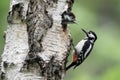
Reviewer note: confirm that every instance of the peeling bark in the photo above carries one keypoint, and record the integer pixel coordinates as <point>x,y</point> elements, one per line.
<point>36,46</point>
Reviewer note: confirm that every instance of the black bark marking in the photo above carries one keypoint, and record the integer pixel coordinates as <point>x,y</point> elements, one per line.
<point>70,4</point>
<point>53,70</point>
<point>55,1</point>
<point>16,16</point>
<point>2,76</point>
<point>38,22</point>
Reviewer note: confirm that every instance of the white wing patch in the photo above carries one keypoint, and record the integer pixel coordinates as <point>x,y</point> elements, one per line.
<point>87,51</point>
<point>91,35</point>
<point>79,46</point>
<point>67,17</point>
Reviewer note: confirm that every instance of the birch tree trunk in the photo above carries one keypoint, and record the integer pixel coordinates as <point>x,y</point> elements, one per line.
<point>36,46</point>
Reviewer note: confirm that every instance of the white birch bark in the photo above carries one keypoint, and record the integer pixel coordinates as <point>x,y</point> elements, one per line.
<point>36,46</point>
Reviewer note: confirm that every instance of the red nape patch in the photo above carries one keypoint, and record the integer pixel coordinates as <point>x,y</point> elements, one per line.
<point>74,57</point>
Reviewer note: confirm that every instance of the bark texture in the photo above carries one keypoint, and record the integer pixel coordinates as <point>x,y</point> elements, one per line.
<point>36,46</point>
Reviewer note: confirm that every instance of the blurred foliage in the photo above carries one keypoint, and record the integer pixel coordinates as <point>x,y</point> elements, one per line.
<point>4,7</point>
<point>101,16</point>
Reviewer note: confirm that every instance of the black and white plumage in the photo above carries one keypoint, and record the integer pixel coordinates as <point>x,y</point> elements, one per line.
<point>83,49</point>
<point>68,17</point>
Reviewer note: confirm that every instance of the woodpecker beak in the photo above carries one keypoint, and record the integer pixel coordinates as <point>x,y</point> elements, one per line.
<point>75,21</point>
<point>85,32</point>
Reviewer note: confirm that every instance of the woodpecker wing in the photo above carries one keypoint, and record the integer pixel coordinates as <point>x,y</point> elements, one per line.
<point>85,47</point>
<point>79,46</point>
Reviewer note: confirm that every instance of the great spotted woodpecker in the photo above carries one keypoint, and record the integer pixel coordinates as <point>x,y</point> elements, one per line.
<point>67,18</point>
<point>83,49</point>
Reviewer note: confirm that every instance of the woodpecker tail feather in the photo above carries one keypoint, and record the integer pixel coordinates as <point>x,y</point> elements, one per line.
<point>76,66</point>
<point>71,65</point>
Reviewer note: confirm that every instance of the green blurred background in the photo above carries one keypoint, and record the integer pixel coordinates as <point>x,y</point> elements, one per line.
<point>101,16</point>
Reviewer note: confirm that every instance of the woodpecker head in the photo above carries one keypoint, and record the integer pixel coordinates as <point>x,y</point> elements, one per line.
<point>68,17</point>
<point>90,35</point>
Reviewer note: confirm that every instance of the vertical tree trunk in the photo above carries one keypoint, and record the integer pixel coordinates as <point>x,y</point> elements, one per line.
<point>36,46</point>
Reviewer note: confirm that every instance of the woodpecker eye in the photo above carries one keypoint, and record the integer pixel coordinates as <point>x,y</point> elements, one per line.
<point>90,32</point>
<point>72,18</point>
<point>91,38</point>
